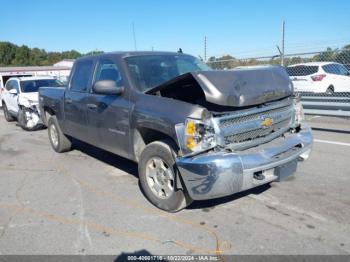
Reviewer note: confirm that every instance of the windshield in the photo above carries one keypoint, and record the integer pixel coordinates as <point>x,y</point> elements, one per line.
<point>152,70</point>
<point>28,86</point>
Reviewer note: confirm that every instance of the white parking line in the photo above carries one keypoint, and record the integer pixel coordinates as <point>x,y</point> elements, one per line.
<point>331,142</point>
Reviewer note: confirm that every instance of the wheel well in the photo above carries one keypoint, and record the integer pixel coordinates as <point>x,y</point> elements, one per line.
<point>47,113</point>
<point>143,136</point>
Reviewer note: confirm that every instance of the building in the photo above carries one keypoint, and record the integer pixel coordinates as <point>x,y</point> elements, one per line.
<point>65,62</point>
<point>60,70</point>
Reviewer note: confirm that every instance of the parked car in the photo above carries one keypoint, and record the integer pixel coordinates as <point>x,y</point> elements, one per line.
<point>20,100</point>
<point>195,133</point>
<point>320,77</point>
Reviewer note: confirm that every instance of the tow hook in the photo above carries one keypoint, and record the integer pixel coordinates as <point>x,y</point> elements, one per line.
<point>259,175</point>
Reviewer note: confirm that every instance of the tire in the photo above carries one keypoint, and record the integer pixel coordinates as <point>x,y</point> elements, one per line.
<point>330,90</point>
<point>7,114</point>
<point>22,121</point>
<point>157,174</point>
<point>59,141</point>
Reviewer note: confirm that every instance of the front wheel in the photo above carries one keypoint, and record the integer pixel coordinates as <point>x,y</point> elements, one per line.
<point>157,175</point>
<point>28,119</point>
<point>59,141</point>
<point>330,90</point>
<point>7,114</point>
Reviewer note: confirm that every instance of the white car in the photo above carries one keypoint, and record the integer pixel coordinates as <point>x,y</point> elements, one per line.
<point>20,100</point>
<point>320,77</point>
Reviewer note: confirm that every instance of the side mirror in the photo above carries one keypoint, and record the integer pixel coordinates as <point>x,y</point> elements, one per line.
<point>107,87</point>
<point>13,91</point>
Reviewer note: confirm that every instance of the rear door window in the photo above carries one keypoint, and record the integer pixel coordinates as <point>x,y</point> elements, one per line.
<point>81,76</point>
<point>331,69</point>
<point>302,70</point>
<point>335,69</point>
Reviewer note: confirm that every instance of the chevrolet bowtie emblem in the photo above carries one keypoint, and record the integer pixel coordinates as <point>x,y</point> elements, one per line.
<point>266,122</point>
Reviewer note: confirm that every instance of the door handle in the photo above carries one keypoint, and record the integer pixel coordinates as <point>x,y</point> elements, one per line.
<point>91,106</point>
<point>69,101</point>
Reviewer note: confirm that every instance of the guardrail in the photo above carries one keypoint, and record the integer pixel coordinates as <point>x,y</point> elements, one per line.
<point>337,104</point>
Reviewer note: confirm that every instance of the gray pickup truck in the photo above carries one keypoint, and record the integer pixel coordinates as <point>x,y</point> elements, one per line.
<point>195,133</point>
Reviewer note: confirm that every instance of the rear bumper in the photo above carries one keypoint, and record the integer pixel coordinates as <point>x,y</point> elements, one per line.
<point>214,175</point>
<point>312,87</point>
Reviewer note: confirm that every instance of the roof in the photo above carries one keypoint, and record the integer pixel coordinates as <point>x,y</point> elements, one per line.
<point>33,68</point>
<point>133,53</point>
<point>27,78</point>
<point>313,64</point>
<point>66,60</point>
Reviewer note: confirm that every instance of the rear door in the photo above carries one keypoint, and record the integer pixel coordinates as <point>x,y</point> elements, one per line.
<point>108,115</point>
<point>75,100</point>
<point>344,79</point>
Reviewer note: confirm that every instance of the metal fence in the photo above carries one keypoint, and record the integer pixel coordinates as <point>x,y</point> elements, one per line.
<point>321,78</point>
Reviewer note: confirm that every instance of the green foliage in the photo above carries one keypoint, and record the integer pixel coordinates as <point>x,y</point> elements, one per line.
<point>14,55</point>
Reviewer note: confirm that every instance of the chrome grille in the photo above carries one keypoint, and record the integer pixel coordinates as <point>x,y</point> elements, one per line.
<point>257,133</point>
<point>247,126</point>
<point>240,119</point>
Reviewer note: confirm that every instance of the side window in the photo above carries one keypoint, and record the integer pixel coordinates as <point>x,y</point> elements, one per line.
<point>108,70</point>
<point>343,71</point>
<point>15,85</point>
<point>331,69</point>
<point>12,84</point>
<point>9,85</point>
<point>185,66</point>
<point>81,75</point>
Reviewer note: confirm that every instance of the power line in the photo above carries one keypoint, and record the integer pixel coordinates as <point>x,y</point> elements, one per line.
<point>134,35</point>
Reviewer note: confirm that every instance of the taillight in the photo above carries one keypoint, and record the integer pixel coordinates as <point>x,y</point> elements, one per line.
<point>318,77</point>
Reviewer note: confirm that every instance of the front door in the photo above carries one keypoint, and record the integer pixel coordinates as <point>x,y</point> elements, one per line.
<point>108,115</point>
<point>11,100</point>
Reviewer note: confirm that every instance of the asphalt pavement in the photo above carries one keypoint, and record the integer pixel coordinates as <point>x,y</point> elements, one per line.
<point>88,201</point>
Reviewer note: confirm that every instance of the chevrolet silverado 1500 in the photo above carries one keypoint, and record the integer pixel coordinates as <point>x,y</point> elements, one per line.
<point>195,133</point>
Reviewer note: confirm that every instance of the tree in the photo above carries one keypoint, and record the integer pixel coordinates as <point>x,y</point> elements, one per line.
<point>11,54</point>
<point>7,53</point>
<point>21,56</point>
<point>328,55</point>
<point>38,57</point>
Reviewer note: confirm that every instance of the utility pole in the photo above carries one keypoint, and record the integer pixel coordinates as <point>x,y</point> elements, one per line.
<point>134,35</point>
<point>205,48</point>
<point>282,52</point>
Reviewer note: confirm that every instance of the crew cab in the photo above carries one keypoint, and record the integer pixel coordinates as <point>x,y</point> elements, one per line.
<point>20,99</point>
<point>195,133</point>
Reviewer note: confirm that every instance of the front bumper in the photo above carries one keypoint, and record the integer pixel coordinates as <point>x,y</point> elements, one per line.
<point>218,174</point>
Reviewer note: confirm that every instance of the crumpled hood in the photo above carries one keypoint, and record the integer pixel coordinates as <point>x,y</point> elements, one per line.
<point>33,96</point>
<point>239,87</point>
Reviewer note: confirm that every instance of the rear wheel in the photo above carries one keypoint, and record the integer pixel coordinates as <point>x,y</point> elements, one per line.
<point>8,116</point>
<point>330,90</point>
<point>157,174</point>
<point>59,141</point>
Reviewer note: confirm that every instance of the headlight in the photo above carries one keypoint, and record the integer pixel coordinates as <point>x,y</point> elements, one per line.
<point>299,112</point>
<point>198,135</point>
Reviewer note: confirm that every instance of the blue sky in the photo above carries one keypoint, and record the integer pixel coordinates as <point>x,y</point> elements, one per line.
<point>242,28</point>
